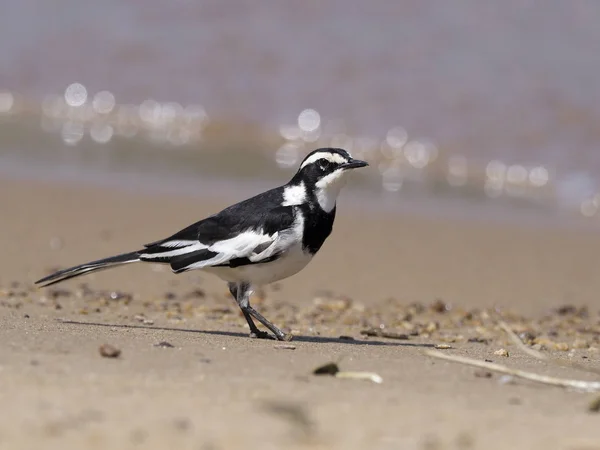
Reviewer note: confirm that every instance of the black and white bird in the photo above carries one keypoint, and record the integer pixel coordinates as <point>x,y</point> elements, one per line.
<point>258,241</point>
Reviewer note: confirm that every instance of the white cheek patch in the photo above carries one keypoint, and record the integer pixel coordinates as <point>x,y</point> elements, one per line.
<point>331,157</point>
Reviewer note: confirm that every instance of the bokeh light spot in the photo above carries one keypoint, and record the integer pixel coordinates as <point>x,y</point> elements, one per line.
<point>309,120</point>
<point>7,101</point>
<point>72,132</point>
<point>539,176</point>
<point>496,171</point>
<point>589,208</point>
<point>416,154</point>
<point>103,102</point>
<point>150,111</point>
<point>516,174</point>
<point>76,95</point>
<point>457,170</point>
<point>392,179</point>
<point>287,155</point>
<point>101,132</point>
<point>396,137</point>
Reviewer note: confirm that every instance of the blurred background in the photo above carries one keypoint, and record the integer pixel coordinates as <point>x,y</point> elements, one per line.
<point>488,108</point>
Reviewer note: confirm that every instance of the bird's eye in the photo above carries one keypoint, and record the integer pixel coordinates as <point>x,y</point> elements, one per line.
<point>324,165</point>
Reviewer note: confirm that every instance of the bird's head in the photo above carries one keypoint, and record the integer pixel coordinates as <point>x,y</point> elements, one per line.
<point>324,172</point>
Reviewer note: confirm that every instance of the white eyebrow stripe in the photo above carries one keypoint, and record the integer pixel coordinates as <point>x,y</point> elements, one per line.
<point>331,157</point>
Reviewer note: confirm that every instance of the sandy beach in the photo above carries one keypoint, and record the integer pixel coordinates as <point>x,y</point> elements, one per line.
<point>188,377</point>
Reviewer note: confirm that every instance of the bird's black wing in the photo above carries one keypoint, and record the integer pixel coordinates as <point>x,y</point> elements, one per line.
<point>251,232</point>
<point>219,227</point>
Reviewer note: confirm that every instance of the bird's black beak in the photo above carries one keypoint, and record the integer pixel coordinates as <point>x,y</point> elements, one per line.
<point>355,164</point>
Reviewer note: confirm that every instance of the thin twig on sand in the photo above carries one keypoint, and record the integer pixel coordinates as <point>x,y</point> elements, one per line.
<point>579,385</point>
<point>541,356</point>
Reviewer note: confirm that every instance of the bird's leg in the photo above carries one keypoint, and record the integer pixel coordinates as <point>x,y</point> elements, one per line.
<point>241,293</point>
<point>280,335</point>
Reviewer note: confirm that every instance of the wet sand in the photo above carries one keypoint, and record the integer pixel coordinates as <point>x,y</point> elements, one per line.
<point>437,282</point>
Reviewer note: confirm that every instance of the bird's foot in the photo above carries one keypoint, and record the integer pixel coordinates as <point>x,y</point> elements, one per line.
<point>281,336</point>
<point>257,334</point>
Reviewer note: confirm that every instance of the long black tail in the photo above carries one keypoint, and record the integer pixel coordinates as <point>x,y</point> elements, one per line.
<point>93,266</point>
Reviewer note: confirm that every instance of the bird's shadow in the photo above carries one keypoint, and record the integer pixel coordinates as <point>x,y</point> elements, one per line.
<point>314,339</point>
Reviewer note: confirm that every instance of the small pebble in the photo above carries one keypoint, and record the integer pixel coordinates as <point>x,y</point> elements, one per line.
<point>479,340</point>
<point>561,346</point>
<point>431,327</point>
<point>164,344</point>
<point>196,293</point>
<point>506,379</point>
<point>481,373</point>
<point>109,351</point>
<point>439,306</point>
<point>143,319</point>
<point>580,343</point>
<point>502,352</point>
<point>594,405</point>
<point>285,347</point>
<point>443,346</point>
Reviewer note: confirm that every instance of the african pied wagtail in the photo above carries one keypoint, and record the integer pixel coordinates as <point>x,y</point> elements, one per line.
<point>261,240</point>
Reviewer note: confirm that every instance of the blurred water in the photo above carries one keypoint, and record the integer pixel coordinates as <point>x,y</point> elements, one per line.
<point>511,80</point>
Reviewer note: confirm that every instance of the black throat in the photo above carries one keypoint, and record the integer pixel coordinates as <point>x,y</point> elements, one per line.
<point>317,227</point>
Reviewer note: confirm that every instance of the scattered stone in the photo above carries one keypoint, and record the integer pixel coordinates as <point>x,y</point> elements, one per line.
<point>443,346</point>
<point>143,319</point>
<point>285,347</point>
<point>527,337</point>
<point>561,346</point>
<point>375,332</point>
<point>196,293</point>
<point>481,373</point>
<point>58,293</point>
<point>327,369</point>
<point>506,379</point>
<point>439,306</point>
<point>479,340</point>
<point>594,405</point>
<point>346,338</point>
<point>164,344</point>
<point>334,370</point>
<point>502,352</point>
<point>565,310</point>
<point>431,327</point>
<point>109,351</point>
<point>118,296</point>
<point>580,344</point>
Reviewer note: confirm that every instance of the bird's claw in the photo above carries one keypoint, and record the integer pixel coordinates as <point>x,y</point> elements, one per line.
<point>257,334</point>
